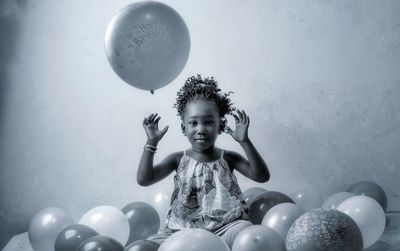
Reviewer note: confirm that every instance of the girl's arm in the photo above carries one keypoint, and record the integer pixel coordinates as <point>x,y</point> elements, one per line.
<point>147,173</point>
<point>255,167</point>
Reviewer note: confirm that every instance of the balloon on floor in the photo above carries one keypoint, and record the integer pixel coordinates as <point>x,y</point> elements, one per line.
<point>100,243</point>
<point>72,236</point>
<point>264,202</point>
<point>143,220</point>
<point>258,238</point>
<point>368,215</point>
<point>321,230</point>
<point>143,245</point>
<point>147,44</point>
<point>108,221</point>
<point>334,200</point>
<point>193,240</point>
<point>251,193</point>
<point>307,197</point>
<point>370,189</point>
<point>281,217</point>
<point>45,227</point>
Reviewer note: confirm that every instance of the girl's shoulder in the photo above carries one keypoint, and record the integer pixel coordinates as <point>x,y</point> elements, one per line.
<point>231,155</point>
<point>175,157</point>
<point>231,158</point>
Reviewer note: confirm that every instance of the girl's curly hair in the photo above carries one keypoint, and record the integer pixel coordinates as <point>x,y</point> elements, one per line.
<point>207,88</point>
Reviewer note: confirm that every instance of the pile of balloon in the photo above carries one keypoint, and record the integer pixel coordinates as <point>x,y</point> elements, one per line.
<point>350,220</point>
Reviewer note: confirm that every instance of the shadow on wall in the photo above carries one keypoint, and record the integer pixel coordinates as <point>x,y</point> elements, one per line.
<point>10,13</point>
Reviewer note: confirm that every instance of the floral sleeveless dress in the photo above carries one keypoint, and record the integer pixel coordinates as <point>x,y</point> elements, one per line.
<point>206,195</point>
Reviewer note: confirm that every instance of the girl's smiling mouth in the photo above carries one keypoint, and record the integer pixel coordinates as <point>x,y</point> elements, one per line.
<point>201,139</point>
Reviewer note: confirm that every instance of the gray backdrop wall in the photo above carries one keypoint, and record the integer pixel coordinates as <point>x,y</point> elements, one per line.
<point>319,79</point>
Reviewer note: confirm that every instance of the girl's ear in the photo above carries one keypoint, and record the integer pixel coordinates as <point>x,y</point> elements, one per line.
<point>222,124</point>
<point>183,129</point>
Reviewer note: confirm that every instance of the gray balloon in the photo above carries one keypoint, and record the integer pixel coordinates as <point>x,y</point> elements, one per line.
<point>143,220</point>
<point>333,201</point>
<point>72,236</point>
<point>258,238</point>
<point>264,202</point>
<point>251,193</point>
<point>147,44</point>
<point>370,189</point>
<point>100,243</point>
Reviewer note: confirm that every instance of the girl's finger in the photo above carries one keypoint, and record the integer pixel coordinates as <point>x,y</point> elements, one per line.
<point>236,118</point>
<point>246,118</point>
<point>156,121</point>
<point>148,117</point>
<point>240,115</point>
<point>153,116</point>
<point>145,121</point>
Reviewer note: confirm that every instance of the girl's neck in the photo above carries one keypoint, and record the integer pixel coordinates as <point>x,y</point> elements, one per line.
<point>208,154</point>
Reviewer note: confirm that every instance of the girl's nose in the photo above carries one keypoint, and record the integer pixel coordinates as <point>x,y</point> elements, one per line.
<point>201,129</point>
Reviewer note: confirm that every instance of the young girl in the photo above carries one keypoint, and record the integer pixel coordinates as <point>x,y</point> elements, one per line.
<point>206,193</point>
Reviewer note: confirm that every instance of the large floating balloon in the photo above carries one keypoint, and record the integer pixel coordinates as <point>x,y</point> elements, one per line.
<point>307,197</point>
<point>193,240</point>
<point>333,201</point>
<point>143,245</point>
<point>368,215</point>
<point>147,44</point>
<point>281,217</point>
<point>322,230</point>
<point>45,227</point>
<point>370,189</point>
<point>72,236</point>
<point>251,193</point>
<point>100,243</point>
<point>258,238</point>
<point>108,221</point>
<point>264,202</point>
<point>143,220</point>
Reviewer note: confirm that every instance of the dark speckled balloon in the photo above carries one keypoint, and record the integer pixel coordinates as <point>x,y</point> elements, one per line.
<point>324,230</point>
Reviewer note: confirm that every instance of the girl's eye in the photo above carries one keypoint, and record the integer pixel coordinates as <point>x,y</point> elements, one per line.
<point>209,122</point>
<point>193,123</point>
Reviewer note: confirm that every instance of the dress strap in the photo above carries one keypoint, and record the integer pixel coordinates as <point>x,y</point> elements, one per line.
<point>184,153</point>
<point>222,154</point>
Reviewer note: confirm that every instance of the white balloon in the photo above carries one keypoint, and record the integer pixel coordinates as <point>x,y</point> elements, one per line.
<point>108,221</point>
<point>45,227</point>
<point>193,240</point>
<point>368,215</point>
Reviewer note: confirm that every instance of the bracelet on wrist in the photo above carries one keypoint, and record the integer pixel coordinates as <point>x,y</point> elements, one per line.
<point>150,148</point>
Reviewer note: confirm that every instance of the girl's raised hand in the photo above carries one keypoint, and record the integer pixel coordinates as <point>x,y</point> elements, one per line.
<point>150,124</point>
<point>240,134</point>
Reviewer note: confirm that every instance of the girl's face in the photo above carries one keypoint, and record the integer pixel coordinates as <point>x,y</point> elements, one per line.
<point>201,124</point>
